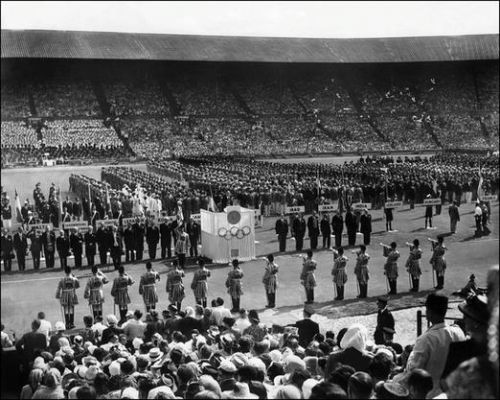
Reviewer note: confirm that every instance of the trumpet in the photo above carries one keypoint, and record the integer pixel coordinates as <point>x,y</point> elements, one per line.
<point>384,245</point>
<point>432,240</point>
<point>409,244</point>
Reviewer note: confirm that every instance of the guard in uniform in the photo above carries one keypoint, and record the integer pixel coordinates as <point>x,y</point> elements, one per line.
<point>270,281</point>
<point>391,266</point>
<point>182,246</point>
<point>438,261</point>
<point>120,292</point>
<point>147,287</point>
<point>361,271</point>
<point>199,284</point>
<point>338,227</point>
<point>90,246</point>
<point>175,287</point>
<point>282,232</point>
<point>233,284</point>
<point>307,278</point>
<point>76,244</point>
<point>66,293</point>
<point>49,247</point>
<point>413,264</point>
<point>339,274</point>
<point>93,291</point>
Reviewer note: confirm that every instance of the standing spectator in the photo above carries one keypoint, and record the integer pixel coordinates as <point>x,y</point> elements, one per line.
<point>366,226</point>
<point>299,231</point>
<point>152,239</point>
<point>282,232</point>
<point>166,238</point>
<point>63,246</point>
<point>308,329</point>
<point>29,343</point>
<point>134,328</point>
<point>45,326</point>
<point>431,348</point>
<point>76,244</point>
<point>351,225</point>
<point>21,247</point>
<point>101,238</point>
<point>454,216</point>
<point>384,319</point>
<point>90,246</point>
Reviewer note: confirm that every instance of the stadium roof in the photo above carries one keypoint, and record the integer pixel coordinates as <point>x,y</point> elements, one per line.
<point>135,46</point>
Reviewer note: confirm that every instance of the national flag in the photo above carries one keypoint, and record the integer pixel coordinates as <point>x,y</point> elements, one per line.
<point>318,184</point>
<point>17,201</point>
<point>479,186</point>
<point>60,205</point>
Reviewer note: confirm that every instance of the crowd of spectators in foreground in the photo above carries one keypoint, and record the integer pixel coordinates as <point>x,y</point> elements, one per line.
<point>211,353</point>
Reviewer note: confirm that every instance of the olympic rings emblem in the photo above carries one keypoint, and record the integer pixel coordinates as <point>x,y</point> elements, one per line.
<point>234,231</point>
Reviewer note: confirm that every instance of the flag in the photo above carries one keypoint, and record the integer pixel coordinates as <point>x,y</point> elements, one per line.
<point>60,205</point>
<point>211,202</point>
<point>318,184</point>
<point>19,216</point>
<point>90,199</point>
<point>434,186</point>
<point>479,186</point>
<point>108,201</point>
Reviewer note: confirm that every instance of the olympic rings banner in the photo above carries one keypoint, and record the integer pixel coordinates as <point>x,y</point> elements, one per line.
<point>228,235</point>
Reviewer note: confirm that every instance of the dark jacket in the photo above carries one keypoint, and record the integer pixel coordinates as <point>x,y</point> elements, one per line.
<point>63,245</point>
<point>307,330</point>
<point>152,235</point>
<point>338,223</point>
<point>29,343</point>
<point>90,244</point>
<point>384,320</point>
<point>313,226</point>
<point>350,221</point>
<point>20,243</point>
<point>365,222</point>
<point>299,227</point>
<point>281,227</point>
<point>325,227</point>
<point>76,243</point>
<point>350,356</point>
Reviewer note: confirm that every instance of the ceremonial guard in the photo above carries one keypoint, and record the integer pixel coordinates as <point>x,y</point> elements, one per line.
<point>326,232</point>
<point>76,244</point>
<point>199,284</point>
<point>93,291</point>
<point>49,246</point>
<point>282,232</point>
<point>182,246</point>
<point>128,238</point>
<point>36,248</point>
<point>361,271</point>
<point>120,292</point>
<point>299,230</point>
<point>339,274</point>
<point>21,247</point>
<point>175,287</point>
<point>313,229</point>
<point>270,281</point>
<point>152,239</point>
<point>366,226</point>
<point>307,278</point>
<point>147,287</point>
<point>413,264</point>
<point>102,241</point>
<point>66,293</point>
<point>338,227</point>
<point>63,246</point>
<point>438,261</point>
<point>90,246</point>
<point>233,284</point>
<point>391,266</point>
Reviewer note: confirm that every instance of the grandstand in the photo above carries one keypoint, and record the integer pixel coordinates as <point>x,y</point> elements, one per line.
<point>172,95</point>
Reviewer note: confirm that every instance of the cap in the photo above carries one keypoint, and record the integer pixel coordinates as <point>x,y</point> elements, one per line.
<point>476,308</point>
<point>59,326</point>
<point>386,329</point>
<point>308,309</point>
<point>383,299</point>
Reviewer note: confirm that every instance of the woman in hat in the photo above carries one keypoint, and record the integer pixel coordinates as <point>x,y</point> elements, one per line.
<point>93,291</point>
<point>438,261</point>
<point>413,264</point>
<point>361,271</point>
<point>199,284</point>
<point>270,281</point>
<point>233,284</point>
<point>66,293</point>
<point>120,291</point>
<point>175,288</point>
<point>339,274</point>
<point>147,287</point>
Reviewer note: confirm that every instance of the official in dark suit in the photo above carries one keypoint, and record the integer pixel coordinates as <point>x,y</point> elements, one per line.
<point>36,248</point>
<point>139,240</point>
<point>194,231</point>
<point>365,222</point>
<point>282,232</point>
<point>49,247</point>
<point>313,229</point>
<point>128,238</point>
<point>351,225</point>
<point>102,243</point>
<point>77,210</point>
<point>20,246</point>
<point>384,319</point>
<point>299,231</point>
<point>326,231</point>
<point>63,246</point>
<point>90,246</point>
<point>454,216</point>
<point>152,239</point>
<point>338,227</point>
<point>307,328</point>
<point>166,239</point>
<point>76,244</point>
<point>116,246</point>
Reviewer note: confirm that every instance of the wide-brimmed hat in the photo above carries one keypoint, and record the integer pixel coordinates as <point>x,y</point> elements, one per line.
<point>240,391</point>
<point>155,354</point>
<point>59,326</point>
<point>476,308</point>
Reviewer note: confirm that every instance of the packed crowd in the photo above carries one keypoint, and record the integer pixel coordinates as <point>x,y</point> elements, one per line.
<point>209,352</point>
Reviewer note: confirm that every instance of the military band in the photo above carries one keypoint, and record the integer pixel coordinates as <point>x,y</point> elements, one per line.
<point>438,261</point>
<point>93,291</point>
<point>413,264</point>
<point>270,281</point>
<point>199,284</point>
<point>175,287</point>
<point>307,277</point>
<point>391,266</point>
<point>339,274</point>
<point>120,292</point>
<point>234,286</point>
<point>66,294</point>
<point>361,271</point>
<point>147,287</point>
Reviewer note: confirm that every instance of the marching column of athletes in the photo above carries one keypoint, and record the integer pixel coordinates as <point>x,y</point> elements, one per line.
<point>67,286</point>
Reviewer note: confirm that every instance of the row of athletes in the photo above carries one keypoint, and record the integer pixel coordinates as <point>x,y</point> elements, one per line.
<point>66,289</point>
<point>103,240</point>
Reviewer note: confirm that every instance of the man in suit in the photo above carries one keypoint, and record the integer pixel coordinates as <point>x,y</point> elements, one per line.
<point>77,210</point>
<point>307,328</point>
<point>139,239</point>
<point>313,229</point>
<point>102,243</point>
<point>350,223</point>
<point>128,238</point>
<point>152,239</point>
<point>338,227</point>
<point>76,244</point>
<point>454,216</point>
<point>49,247</point>
<point>35,247</point>
<point>326,231</point>
<point>194,231</point>
<point>7,249</point>
<point>116,246</point>
<point>299,231</point>
<point>166,238</point>
<point>20,246</point>
<point>366,226</point>
<point>282,232</point>
<point>384,319</point>
<point>63,246</point>
<point>90,246</point>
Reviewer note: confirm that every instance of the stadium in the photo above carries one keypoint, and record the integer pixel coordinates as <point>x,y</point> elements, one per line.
<point>146,136</point>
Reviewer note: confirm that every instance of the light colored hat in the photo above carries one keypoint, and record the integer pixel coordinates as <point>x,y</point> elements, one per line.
<point>59,326</point>
<point>163,390</point>
<point>114,368</point>
<point>155,354</point>
<point>227,366</point>
<point>257,363</point>
<point>39,363</point>
<point>137,343</point>
<point>239,360</point>
<point>92,372</point>
<point>240,391</point>
<point>111,318</point>
<point>130,393</point>
<point>80,371</point>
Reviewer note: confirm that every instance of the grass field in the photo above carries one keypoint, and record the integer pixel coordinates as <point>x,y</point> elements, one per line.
<point>22,296</point>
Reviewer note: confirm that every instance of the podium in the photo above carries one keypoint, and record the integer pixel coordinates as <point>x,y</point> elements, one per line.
<point>228,235</point>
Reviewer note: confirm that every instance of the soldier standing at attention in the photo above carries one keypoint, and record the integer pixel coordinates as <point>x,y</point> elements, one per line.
<point>438,261</point>
<point>270,281</point>
<point>391,266</point>
<point>233,284</point>
<point>339,274</point>
<point>413,264</point>
<point>282,232</point>
<point>120,292</point>
<point>361,271</point>
<point>307,278</point>
<point>147,287</point>
<point>175,288</point>
<point>200,285</point>
<point>66,293</point>
<point>93,291</point>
